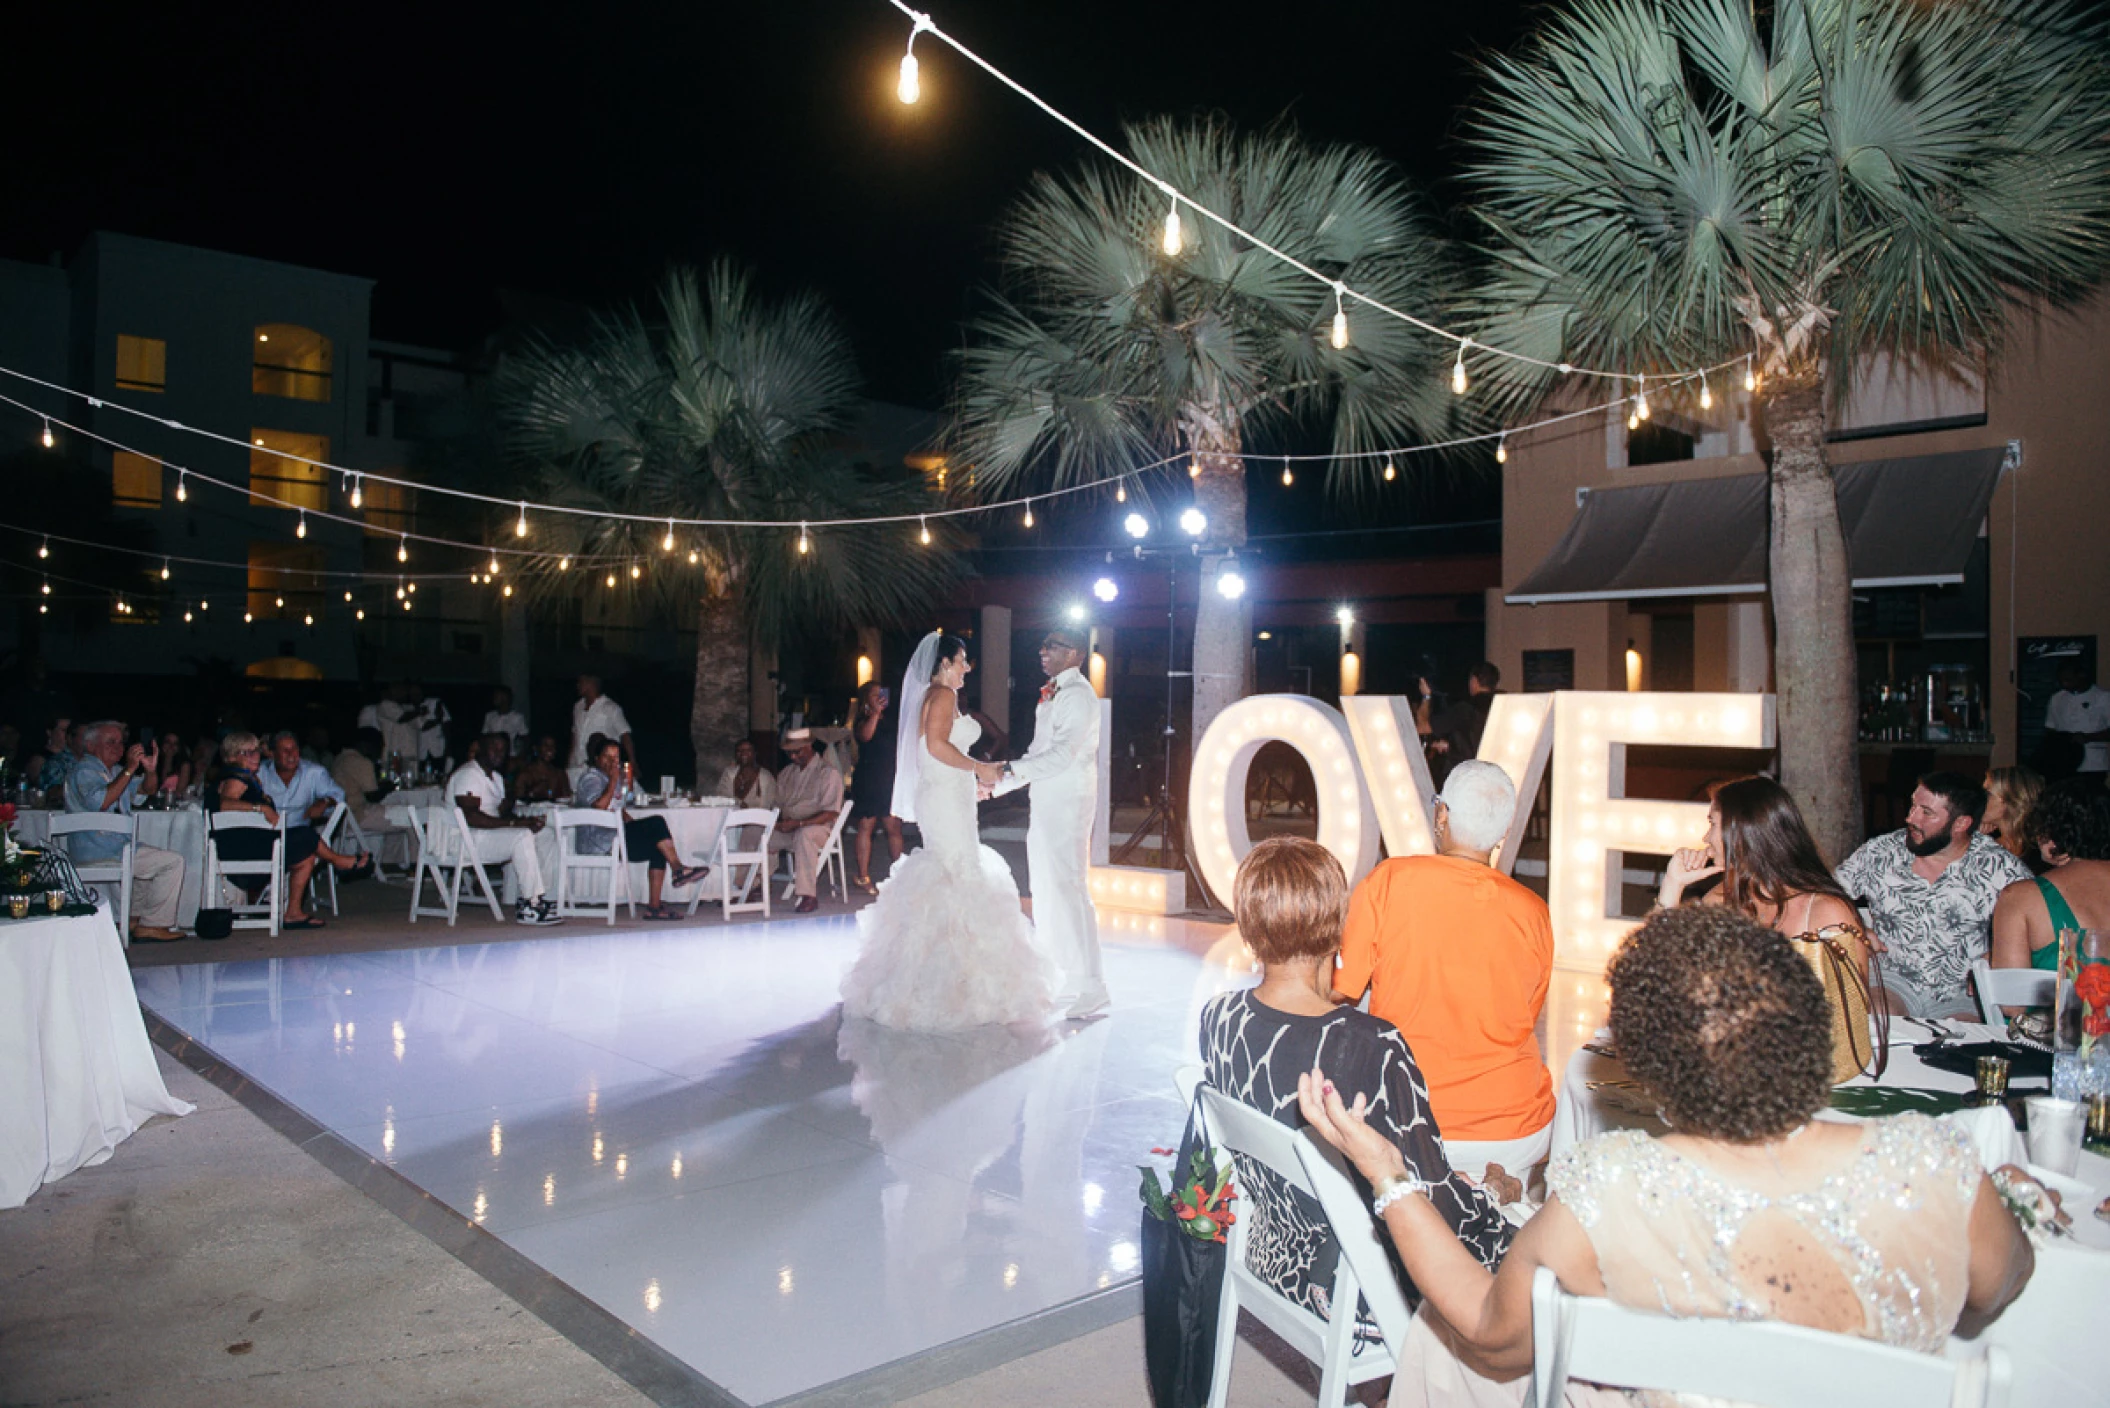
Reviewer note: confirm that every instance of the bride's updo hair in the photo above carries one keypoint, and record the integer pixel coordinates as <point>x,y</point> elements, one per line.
<point>950,648</point>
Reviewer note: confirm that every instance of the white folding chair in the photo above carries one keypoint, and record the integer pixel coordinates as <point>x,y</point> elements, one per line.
<point>221,875</point>
<point>325,873</point>
<point>116,872</point>
<point>1330,1344</point>
<point>1762,1362</point>
<point>447,854</point>
<point>733,897</point>
<point>2009,987</point>
<point>833,851</point>
<point>572,823</point>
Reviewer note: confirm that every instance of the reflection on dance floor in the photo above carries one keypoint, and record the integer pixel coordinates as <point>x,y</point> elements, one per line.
<point>680,1126</point>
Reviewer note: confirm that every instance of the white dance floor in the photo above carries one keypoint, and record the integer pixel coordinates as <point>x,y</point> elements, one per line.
<point>677,1125</point>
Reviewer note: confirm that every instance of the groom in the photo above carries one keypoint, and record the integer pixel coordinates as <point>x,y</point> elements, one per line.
<point>1062,767</point>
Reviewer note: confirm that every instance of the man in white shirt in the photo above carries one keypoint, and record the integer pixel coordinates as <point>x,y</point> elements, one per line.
<point>504,718</point>
<point>597,713</point>
<point>2082,708</point>
<point>400,725</point>
<point>809,797</point>
<point>433,719</point>
<point>1062,767</point>
<point>478,788</point>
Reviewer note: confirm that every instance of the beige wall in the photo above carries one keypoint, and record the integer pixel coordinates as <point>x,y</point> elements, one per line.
<point>2050,389</point>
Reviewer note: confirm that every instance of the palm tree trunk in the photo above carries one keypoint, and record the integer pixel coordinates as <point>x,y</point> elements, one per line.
<point>1814,669</point>
<point>1223,659</point>
<point>718,708</point>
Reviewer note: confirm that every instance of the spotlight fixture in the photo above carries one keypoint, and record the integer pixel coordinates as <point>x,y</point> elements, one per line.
<point>1194,523</point>
<point>1345,615</point>
<point>1137,525</point>
<point>1075,612</point>
<point>1230,582</point>
<point>1106,589</point>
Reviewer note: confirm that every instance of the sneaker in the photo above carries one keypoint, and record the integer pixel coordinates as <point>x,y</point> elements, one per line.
<point>536,912</point>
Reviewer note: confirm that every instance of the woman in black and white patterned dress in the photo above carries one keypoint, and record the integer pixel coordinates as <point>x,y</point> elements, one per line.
<point>1291,900</point>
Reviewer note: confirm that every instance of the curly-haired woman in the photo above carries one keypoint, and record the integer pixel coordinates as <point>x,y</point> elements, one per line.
<point>2071,823</point>
<point>1749,1209</point>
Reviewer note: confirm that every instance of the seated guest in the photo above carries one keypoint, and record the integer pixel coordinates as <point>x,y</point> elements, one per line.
<point>360,782</point>
<point>478,788</point>
<point>645,838</point>
<point>315,746</point>
<point>2072,826</point>
<point>204,762</point>
<point>112,777</point>
<point>1750,1209</point>
<point>236,786</point>
<point>1929,890</point>
<point>2010,795</point>
<point>176,773</point>
<point>306,795</point>
<point>747,782</point>
<point>540,779</point>
<point>1290,899</point>
<point>809,797</point>
<point>1770,871</point>
<point>1458,956</point>
<point>60,755</point>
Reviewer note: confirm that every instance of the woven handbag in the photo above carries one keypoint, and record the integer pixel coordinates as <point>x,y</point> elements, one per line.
<point>1846,994</point>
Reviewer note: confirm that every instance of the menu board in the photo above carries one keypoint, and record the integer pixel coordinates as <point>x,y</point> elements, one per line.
<point>2037,680</point>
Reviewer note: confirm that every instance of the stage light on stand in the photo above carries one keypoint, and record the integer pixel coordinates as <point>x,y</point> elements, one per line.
<point>1137,525</point>
<point>1194,523</point>
<point>1106,589</point>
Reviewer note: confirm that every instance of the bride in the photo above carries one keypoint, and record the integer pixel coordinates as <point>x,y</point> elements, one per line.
<point>945,946</point>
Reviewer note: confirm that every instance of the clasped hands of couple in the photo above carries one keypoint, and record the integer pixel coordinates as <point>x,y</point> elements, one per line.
<point>986,777</point>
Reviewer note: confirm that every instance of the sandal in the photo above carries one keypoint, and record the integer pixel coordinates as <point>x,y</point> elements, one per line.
<point>309,923</point>
<point>690,874</point>
<point>864,884</point>
<point>660,911</point>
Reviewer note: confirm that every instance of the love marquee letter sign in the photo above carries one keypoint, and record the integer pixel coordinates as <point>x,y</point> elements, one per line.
<point>1373,784</point>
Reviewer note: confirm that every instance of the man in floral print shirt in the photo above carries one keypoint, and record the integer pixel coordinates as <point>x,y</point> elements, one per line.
<point>1930,890</point>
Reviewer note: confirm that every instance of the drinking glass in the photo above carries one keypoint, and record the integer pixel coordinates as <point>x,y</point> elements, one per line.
<point>2055,1132</point>
<point>1992,1076</point>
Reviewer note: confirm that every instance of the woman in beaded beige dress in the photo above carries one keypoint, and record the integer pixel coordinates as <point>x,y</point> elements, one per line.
<point>1750,1209</point>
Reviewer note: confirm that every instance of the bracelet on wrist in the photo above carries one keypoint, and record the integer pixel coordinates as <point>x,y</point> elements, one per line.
<point>1392,1188</point>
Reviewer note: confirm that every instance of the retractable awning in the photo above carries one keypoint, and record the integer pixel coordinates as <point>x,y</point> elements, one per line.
<point>1908,522</point>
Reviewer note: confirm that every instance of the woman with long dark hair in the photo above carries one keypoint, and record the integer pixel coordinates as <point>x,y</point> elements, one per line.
<point>1771,871</point>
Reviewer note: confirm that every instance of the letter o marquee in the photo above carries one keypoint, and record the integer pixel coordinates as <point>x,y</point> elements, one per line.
<point>1217,788</point>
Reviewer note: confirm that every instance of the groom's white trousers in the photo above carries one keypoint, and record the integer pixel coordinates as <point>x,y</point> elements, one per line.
<point>1059,853</point>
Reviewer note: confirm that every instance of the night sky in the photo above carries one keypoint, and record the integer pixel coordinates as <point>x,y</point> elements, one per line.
<point>574,152</point>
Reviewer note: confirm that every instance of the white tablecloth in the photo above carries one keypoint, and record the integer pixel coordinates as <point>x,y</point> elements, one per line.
<point>77,1075</point>
<point>181,831</point>
<point>2049,1332</point>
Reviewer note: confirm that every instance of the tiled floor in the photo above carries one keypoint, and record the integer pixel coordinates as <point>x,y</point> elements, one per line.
<point>677,1124</point>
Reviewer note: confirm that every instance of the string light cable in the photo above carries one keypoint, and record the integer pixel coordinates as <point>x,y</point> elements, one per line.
<point>923,24</point>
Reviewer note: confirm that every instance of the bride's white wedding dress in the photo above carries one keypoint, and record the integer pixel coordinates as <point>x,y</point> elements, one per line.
<point>945,946</point>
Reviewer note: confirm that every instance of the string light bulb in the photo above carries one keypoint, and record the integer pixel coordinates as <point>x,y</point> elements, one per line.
<point>923,533</point>
<point>805,542</point>
<point>520,523</point>
<point>1502,448</point>
<point>1706,394</point>
<point>1340,319</point>
<point>358,498</point>
<point>564,563</point>
<point>910,87</point>
<point>347,598</point>
<point>300,529</point>
<point>636,571</point>
<point>1390,473</point>
<point>403,548</point>
<point>412,589</point>
<point>186,618</point>
<point>248,618</point>
<point>666,544</point>
<point>693,558</point>
<point>47,586</point>
<point>308,621</point>
<point>491,570</point>
<point>1641,398</point>
<point>164,569</point>
<point>508,589</point>
<point>1029,513</point>
<point>1175,240</point>
<point>360,614</point>
<point>1458,368</point>
<point>611,579</point>
<point>49,438</point>
<point>1287,477</point>
<point>1121,492</point>
<point>44,548</point>
<point>1194,467</point>
<point>1750,374</point>
<point>406,603</point>
<point>182,493</point>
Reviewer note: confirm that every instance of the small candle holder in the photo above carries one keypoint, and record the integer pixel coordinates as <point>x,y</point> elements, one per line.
<point>18,906</point>
<point>2099,1116</point>
<point>1992,1076</point>
<point>54,901</point>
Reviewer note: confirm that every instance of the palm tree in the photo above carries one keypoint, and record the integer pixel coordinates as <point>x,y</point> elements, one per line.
<point>720,408</point>
<point>1102,352</point>
<point>1671,183</point>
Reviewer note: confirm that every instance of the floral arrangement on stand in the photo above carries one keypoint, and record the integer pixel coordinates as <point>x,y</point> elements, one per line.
<point>1199,1205</point>
<point>2092,987</point>
<point>18,865</point>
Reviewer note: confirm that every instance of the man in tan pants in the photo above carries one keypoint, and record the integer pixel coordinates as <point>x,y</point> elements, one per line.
<point>111,777</point>
<point>809,797</point>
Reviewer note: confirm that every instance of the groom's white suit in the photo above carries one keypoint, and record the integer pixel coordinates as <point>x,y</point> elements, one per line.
<point>1062,768</point>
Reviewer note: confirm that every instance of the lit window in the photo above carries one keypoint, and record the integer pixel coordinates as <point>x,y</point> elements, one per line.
<point>142,363</point>
<point>135,480</point>
<point>272,476</point>
<point>288,572</point>
<point>290,361</point>
<point>388,509</point>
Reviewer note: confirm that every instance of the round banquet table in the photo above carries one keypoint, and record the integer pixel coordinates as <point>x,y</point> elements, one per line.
<point>181,831</point>
<point>2048,1331</point>
<point>77,1075</point>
